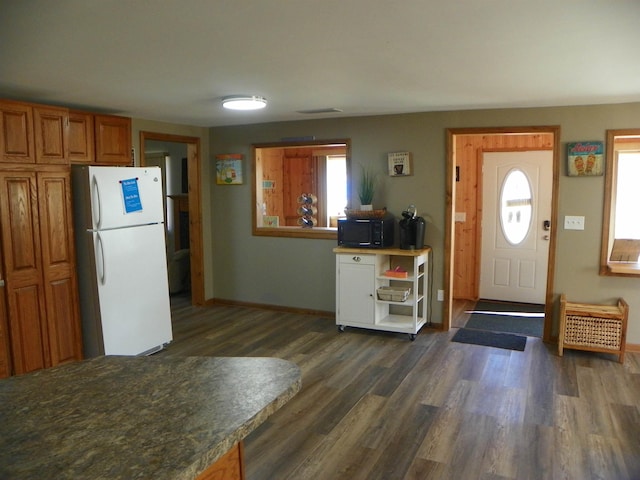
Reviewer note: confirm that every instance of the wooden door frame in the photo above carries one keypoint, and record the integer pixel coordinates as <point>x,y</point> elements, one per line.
<point>195,206</point>
<point>449,247</point>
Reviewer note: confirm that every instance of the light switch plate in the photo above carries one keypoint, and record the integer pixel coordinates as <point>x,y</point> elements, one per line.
<point>573,222</point>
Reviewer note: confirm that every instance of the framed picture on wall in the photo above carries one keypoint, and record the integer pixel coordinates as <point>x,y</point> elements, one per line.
<point>229,169</point>
<point>585,159</point>
<point>399,164</point>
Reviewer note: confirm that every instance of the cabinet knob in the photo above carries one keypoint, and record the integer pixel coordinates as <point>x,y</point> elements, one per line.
<point>356,259</point>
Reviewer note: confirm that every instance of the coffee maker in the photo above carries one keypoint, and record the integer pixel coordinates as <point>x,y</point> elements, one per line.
<point>411,230</point>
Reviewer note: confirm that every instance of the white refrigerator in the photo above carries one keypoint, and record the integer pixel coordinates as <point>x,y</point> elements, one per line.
<point>121,260</point>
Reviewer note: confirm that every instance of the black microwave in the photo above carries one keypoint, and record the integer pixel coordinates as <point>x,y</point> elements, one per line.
<point>366,232</point>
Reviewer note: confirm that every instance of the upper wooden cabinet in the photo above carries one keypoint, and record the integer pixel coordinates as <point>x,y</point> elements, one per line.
<point>99,139</point>
<point>51,134</point>
<point>81,137</point>
<point>33,133</point>
<point>113,140</point>
<point>40,134</point>
<point>16,133</point>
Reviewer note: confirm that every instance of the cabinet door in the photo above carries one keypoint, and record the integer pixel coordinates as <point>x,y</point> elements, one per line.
<point>16,133</point>
<point>230,466</point>
<point>81,137</point>
<point>356,284</point>
<point>28,332</point>
<point>50,130</point>
<point>58,266</point>
<point>5,357</point>
<point>113,140</point>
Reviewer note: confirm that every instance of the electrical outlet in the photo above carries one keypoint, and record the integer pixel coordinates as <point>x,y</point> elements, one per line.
<point>573,222</point>
<point>440,295</point>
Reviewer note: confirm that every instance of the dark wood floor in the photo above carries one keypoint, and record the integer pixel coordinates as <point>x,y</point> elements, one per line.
<point>378,406</point>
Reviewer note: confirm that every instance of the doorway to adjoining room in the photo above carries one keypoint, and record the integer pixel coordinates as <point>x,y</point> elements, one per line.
<point>179,157</point>
<point>468,151</point>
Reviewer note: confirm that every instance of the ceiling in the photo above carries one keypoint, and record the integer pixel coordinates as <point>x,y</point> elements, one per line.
<point>174,60</point>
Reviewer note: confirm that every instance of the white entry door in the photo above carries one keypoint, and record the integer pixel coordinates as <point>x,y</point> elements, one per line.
<point>516,214</point>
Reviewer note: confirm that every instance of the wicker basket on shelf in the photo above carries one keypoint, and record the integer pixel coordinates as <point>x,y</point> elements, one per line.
<point>352,213</point>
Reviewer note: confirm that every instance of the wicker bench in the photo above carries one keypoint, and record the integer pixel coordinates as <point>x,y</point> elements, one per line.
<point>595,328</point>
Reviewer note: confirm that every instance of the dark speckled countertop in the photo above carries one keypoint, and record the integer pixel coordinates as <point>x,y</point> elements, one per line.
<point>136,417</point>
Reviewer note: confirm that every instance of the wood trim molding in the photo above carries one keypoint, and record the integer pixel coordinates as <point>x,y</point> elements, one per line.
<point>633,347</point>
<point>195,206</point>
<point>265,306</point>
<point>613,140</point>
<point>451,136</point>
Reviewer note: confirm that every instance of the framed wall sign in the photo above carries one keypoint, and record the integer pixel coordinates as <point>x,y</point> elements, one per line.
<point>229,169</point>
<point>399,164</point>
<point>585,159</point>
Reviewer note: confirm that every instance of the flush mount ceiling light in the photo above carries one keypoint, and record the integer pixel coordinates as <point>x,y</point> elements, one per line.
<point>244,102</point>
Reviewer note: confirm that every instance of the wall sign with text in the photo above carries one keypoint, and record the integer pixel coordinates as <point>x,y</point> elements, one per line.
<point>585,159</point>
<point>229,169</point>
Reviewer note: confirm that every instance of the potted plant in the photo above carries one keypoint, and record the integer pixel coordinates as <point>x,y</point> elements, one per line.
<point>366,188</point>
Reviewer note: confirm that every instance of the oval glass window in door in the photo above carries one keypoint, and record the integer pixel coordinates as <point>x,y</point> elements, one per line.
<point>515,206</point>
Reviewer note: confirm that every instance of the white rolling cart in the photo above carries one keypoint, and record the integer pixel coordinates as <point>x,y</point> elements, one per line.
<point>373,292</point>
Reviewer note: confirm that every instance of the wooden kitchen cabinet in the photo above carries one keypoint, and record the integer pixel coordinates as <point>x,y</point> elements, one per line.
<point>32,133</point>
<point>5,357</point>
<point>113,140</point>
<point>51,127</point>
<point>39,269</point>
<point>59,266</point>
<point>47,135</point>
<point>16,133</point>
<point>228,467</point>
<point>99,139</point>
<point>81,137</point>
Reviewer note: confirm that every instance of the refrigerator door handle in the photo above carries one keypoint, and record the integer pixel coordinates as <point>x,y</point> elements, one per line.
<point>95,203</point>
<point>100,263</point>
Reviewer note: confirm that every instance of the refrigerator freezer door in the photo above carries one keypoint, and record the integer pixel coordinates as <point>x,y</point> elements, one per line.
<point>125,196</point>
<point>133,291</point>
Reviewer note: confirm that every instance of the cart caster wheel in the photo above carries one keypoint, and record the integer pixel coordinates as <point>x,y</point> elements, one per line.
<point>341,328</point>
<point>412,336</point>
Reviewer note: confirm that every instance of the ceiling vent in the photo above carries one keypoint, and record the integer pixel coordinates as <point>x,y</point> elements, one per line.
<point>320,110</point>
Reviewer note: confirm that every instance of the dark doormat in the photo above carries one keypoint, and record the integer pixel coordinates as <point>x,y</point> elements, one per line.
<point>519,318</point>
<point>531,327</point>
<point>490,339</point>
